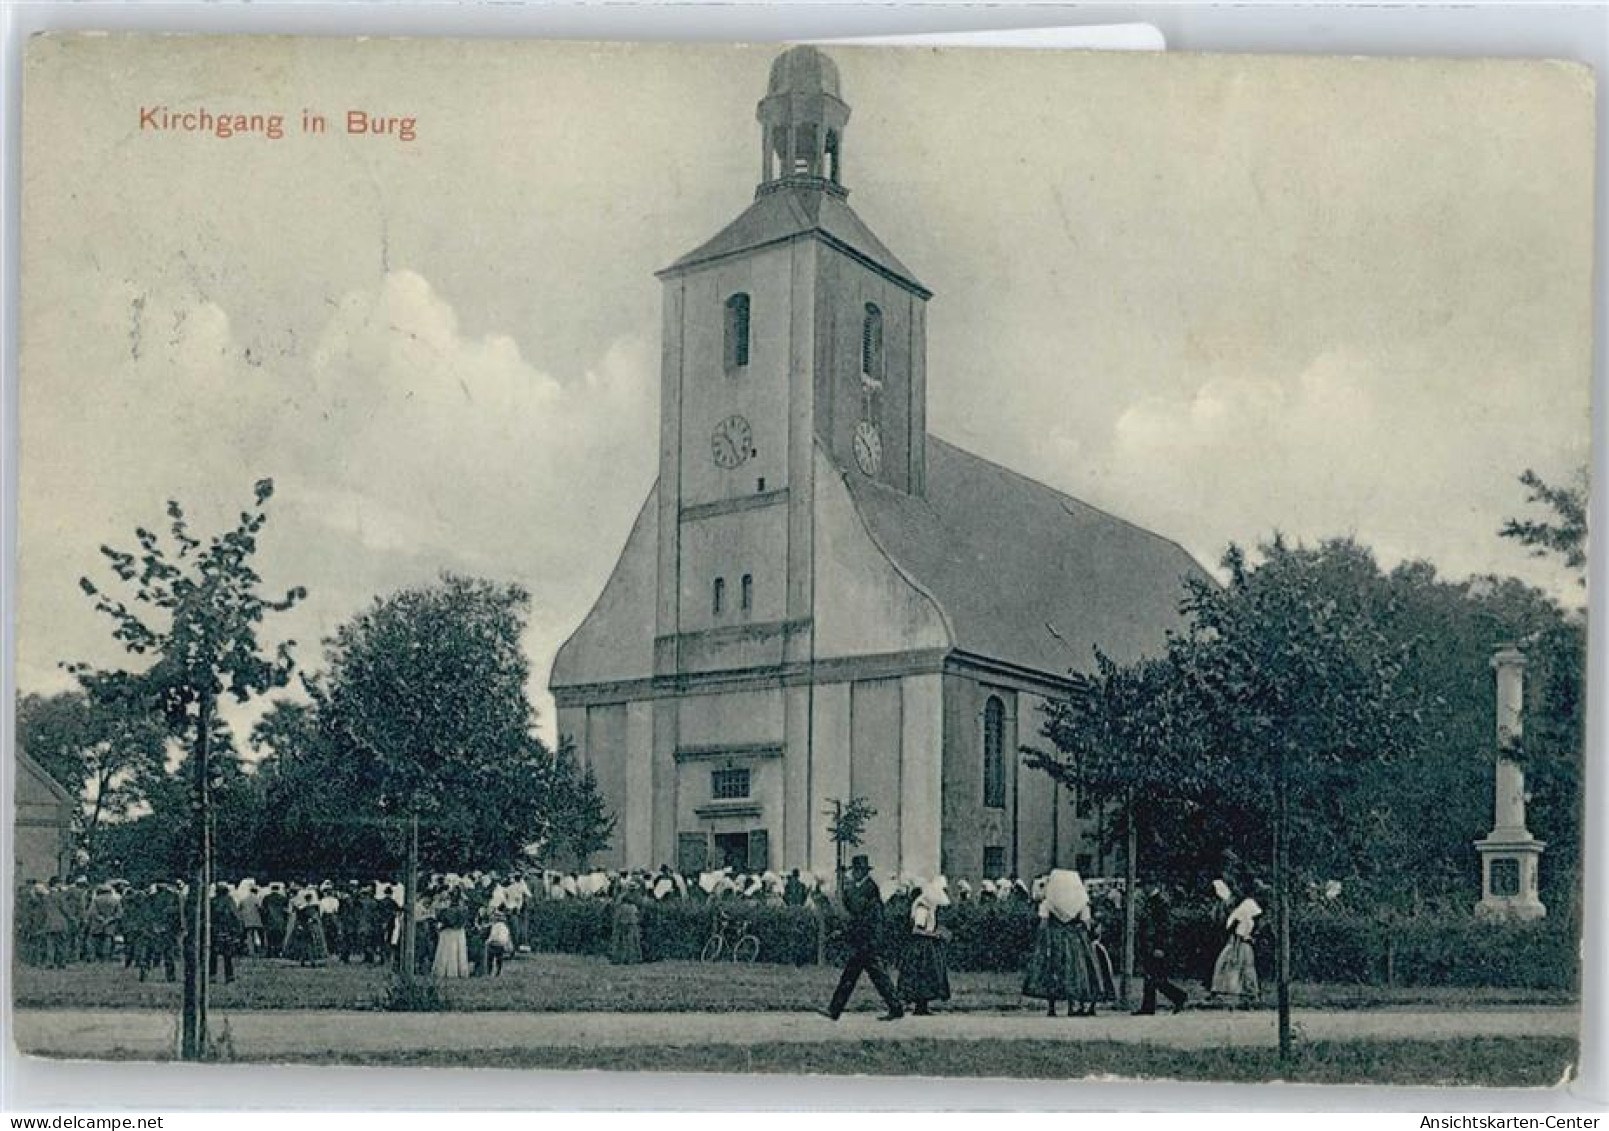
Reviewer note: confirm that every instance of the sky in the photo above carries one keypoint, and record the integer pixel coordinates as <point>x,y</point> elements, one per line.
<point>1217,296</point>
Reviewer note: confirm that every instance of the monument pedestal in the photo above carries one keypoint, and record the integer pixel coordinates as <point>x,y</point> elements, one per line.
<point>1509,859</point>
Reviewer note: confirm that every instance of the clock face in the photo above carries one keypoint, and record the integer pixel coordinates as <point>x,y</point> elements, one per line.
<point>868,447</point>
<point>732,442</point>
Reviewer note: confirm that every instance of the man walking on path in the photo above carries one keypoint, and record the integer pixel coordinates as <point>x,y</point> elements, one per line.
<point>1155,941</point>
<point>863,904</point>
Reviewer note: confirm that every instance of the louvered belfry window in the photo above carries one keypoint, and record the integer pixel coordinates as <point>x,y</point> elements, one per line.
<point>737,332</point>
<point>871,343</point>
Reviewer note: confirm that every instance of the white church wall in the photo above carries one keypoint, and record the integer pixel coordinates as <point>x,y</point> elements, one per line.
<point>732,546</point>
<point>874,766</point>
<point>921,773</point>
<point>731,718</point>
<point>863,605</point>
<point>637,816</point>
<point>829,766</point>
<point>616,640</point>
<point>799,831</point>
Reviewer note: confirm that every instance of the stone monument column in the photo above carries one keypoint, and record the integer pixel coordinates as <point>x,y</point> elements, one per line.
<point>1509,853</point>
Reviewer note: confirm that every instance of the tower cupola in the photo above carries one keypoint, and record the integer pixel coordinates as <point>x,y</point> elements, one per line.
<point>802,119</point>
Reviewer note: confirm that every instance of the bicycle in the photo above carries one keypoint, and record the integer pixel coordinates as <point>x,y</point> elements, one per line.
<point>732,938</point>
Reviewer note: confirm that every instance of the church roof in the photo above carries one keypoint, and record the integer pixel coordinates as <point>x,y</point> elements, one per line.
<point>789,211</point>
<point>1024,573</point>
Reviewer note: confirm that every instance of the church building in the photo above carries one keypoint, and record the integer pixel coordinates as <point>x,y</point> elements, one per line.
<point>819,600</point>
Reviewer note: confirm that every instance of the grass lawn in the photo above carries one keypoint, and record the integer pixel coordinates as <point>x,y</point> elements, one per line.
<point>559,982</point>
<point>1488,1061</point>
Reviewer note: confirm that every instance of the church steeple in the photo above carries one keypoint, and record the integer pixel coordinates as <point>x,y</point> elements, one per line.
<point>802,121</point>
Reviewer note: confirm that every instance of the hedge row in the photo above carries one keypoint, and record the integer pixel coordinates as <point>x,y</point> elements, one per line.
<point>1326,946</point>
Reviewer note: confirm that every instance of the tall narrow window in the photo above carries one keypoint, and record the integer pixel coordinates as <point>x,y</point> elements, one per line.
<point>720,595</point>
<point>737,331</point>
<point>994,761</point>
<point>832,155</point>
<point>871,343</point>
<point>746,594</point>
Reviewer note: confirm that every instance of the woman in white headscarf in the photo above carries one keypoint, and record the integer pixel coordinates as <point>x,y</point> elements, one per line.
<point>924,968</point>
<point>1234,975</point>
<point>1061,966</point>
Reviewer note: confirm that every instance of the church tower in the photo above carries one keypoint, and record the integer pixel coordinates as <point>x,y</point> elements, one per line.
<point>819,601</point>
<point>794,326</point>
<point>793,330</point>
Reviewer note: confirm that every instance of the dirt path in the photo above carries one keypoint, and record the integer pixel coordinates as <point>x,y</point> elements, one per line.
<point>267,1033</point>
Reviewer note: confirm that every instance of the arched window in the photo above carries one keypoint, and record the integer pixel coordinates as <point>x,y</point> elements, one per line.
<point>720,595</point>
<point>746,593</point>
<point>832,155</point>
<point>994,761</point>
<point>871,343</point>
<point>737,331</point>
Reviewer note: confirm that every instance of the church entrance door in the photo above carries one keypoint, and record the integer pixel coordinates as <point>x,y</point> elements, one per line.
<point>732,851</point>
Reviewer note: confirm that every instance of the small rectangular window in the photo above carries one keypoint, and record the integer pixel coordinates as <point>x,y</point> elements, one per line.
<point>720,595</point>
<point>746,597</point>
<point>994,862</point>
<point>729,785</point>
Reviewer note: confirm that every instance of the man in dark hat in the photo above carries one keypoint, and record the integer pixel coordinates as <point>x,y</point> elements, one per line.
<point>863,905</point>
<point>1155,939</point>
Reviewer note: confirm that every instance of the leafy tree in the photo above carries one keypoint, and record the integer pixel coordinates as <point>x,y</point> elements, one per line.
<point>846,824</point>
<point>104,748</point>
<point>196,611</point>
<point>316,810</point>
<point>1565,533</point>
<point>1282,675</point>
<point>423,705</point>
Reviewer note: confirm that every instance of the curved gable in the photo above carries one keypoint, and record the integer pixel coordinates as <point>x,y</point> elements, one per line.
<point>865,604</point>
<point>616,640</point>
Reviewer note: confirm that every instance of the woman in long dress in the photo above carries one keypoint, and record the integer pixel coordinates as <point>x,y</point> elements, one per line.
<point>625,943</point>
<point>1062,963</point>
<point>452,947</point>
<point>304,936</point>
<point>924,969</point>
<point>1234,975</point>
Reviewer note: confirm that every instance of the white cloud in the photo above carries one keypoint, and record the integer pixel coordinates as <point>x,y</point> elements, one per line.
<point>1342,448</point>
<point>400,447</point>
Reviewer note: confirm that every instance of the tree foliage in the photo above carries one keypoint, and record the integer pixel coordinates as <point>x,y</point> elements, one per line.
<point>192,608</point>
<point>1564,534</point>
<point>576,824</point>
<point>847,821</point>
<point>1378,683</point>
<point>196,613</point>
<point>421,709</point>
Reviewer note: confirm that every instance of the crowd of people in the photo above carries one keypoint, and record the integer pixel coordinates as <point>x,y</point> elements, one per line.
<point>470,924</point>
